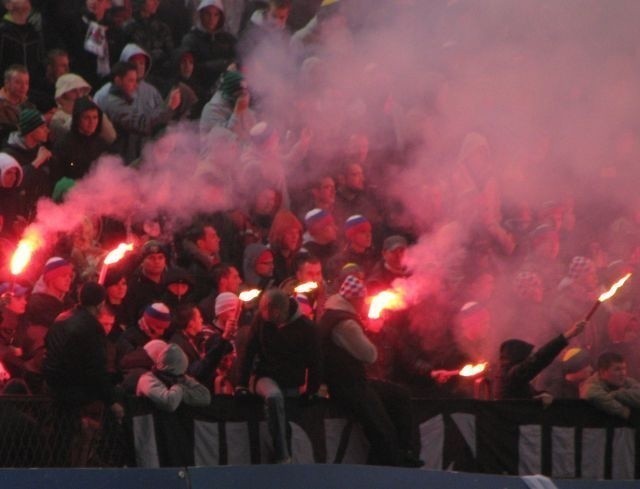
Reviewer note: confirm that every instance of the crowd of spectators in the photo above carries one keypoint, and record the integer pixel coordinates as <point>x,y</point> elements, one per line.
<point>83,79</point>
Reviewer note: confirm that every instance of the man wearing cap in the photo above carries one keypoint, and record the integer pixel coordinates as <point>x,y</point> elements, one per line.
<point>392,264</point>
<point>229,107</point>
<point>28,146</point>
<point>383,408</point>
<point>152,325</point>
<point>147,284</point>
<point>13,304</point>
<point>321,238</point>
<point>357,231</point>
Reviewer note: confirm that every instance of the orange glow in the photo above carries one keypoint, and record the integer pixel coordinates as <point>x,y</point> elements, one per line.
<point>22,256</point>
<point>249,295</point>
<point>306,287</point>
<point>114,256</point>
<point>387,300</point>
<point>614,288</point>
<point>470,370</point>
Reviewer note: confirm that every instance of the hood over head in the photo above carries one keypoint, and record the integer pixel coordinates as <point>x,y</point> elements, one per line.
<point>8,162</point>
<point>172,360</point>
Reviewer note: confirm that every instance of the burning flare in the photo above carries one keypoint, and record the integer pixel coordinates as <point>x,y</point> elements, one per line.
<point>614,288</point>
<point>249,295</point>
<point>306,287</point>
<point>386,300</point>
<point>114,256</point>
<point>22,256</point>
<point>471,370</point>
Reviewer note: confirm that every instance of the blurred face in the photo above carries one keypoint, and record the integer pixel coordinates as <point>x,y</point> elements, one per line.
<point>361,239</point>
<point>116,292</point>
<point>10,177</point>
<point>291,239</point>
<point>277,17</point>
<point>354,177</point>
<point>186,66</point>
<point>40,135</point>
<point>156,332</point>
<point>127,83</point>
<point>266,202</point>
<point>195,325</point>
<point>325,194</point>
<point>310,272</point>
<point>270,313</point>
<point>18,85</point>
<point>615,375</point>
<point>60,282</point>
<point>210,242</point>
<point>326,232</point>
<point>395,258</point>
<point>107,320</point>
<point>231,283</point>
<point>140,60</point>
<point>17,304</point>
<point>73,95</point>
<point>88,122</point>
<point>264,264</point>
<point>59,66</point>
<point>18,6</point>
<point>210,18</point>
<point>98,7</point>
<point>154,264</point>
<point>150,7</point>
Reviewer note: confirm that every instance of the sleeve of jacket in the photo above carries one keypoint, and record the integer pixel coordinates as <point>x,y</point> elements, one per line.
<point>126,118</point>
<point>629,395</point>
<point>195,394</point>
<point>537,361</point>
<point>163,397</point>
<point>349,335</point>
<point>593,391</point>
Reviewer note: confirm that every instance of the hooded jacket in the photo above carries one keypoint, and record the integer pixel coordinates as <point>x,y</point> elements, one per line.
<point>11,204</point>
<point>212,52</point>
<point>167,386</point>
<point>135,118</point>
<point>77,152</point>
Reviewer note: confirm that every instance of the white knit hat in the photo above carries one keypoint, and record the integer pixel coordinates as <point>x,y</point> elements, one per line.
<point>226,301</point>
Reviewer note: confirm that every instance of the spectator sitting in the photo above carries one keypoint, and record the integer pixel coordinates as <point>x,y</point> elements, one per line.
<point>167,386</point>
<point>609,389</point>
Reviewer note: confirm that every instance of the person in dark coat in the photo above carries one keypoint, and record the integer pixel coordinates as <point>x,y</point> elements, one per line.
<point>213,48</point>
<point>75,363</point>
<point>285,348</point>
<point>382,408</point>
<point>82,145</point>
<point>20,42</point>
<point>519,365</point>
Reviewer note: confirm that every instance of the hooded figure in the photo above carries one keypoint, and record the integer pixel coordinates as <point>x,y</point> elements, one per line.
<point>213,49</point>
<point>11,205</point>
<point>255,273</point>
<point>83,145</point>
<point>167,386</point>
<point>69,88</point>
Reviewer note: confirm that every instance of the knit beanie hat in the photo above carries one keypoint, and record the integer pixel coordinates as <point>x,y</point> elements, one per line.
<point>574,359</point>
<point>92,294</point>
<point>54,266</point>
<point>316,217</point>
<point>580,266</point>
<point>355,224</point>
<point>70,81</point>
<point>225,302</point>
<point>352,288</point>
<point>231,83</point>
<point>61,188</point>
<point>525,283</point>
<point>151,247</point>
<point>156,316</point>
<point>154,348</point>
<point>29,121</point>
